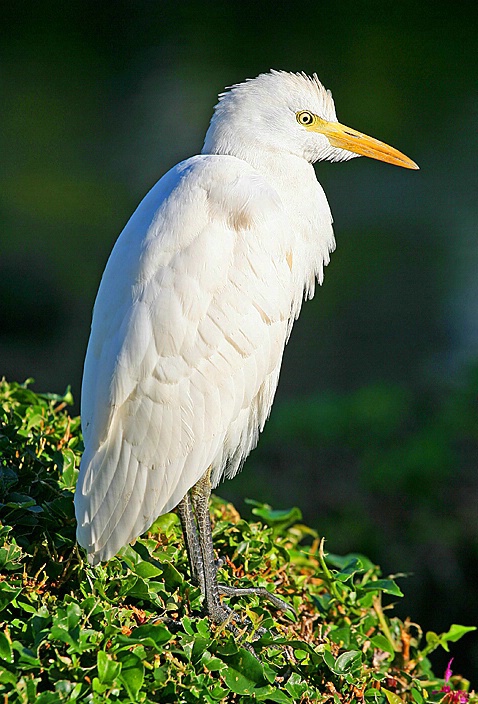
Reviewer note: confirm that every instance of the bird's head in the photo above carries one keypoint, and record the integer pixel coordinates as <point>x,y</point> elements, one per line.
<point>292,113</point>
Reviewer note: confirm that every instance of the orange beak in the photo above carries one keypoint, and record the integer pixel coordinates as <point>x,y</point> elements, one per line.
<point>359,143</point>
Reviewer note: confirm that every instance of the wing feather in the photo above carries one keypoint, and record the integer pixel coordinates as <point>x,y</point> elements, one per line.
<point>187,337</point>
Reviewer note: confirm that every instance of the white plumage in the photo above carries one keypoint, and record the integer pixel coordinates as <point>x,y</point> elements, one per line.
<point>197,301</point>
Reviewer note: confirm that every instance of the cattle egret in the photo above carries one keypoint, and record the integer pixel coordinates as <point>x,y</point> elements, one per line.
<point>193,313</point>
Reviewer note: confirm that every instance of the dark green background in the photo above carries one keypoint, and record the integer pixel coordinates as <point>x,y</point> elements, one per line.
<point>99,99</point>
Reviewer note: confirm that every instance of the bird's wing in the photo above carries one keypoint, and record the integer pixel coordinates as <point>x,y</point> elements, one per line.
<point>187,336</point>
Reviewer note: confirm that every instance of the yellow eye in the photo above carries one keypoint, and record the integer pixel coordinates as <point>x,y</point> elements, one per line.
<point>305,118</point>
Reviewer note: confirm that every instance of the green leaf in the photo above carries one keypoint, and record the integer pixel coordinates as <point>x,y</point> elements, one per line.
<point>164,524</point>
<point>108,669</point>
<point>188,626</point>
<point>383,585</point>
<point>7,677</point>
<point>27,659</point>
<point>417,695</point>
<point>392,698</point>
<point>243,672</point>
<point>329,660</point>
<point>7,594</point>
<point>315,656</point>
<point>132,675</point>
<point>212,663</point>
<point>73,615</point>
<point>295,685</point>
<point>218,692</point>
<point>67,397</point>
<point>456,632</point>
<point>452,635</point>
<point>151,635</point>
<point>342,561</point>
<point>341,635</point>
<point>147,571</point>
<point>322,602</point>
<point>69,472</point>
<point>351,568</point>
<point>10,555</point>
<point>237,682</point>
<point>381,643</point>
<point>18,500</point>
<point>275,517</point>
<point>172,576</point>
<point>6,652</point>
<point>348,661</point>
<point>271,694</point>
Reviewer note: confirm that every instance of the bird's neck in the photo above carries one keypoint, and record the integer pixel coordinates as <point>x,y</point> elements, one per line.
<point>310,235</point>
<point>307,208</point>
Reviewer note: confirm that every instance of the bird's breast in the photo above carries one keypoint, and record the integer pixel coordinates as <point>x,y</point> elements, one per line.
<point>309,238</point>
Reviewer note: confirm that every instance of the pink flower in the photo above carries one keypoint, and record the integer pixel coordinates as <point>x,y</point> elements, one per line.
<point>448,672</point>
<point>452,696</point>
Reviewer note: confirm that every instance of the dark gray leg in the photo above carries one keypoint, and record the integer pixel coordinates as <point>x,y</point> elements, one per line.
<point>218,611</point>
<point>193,547</point>
<point>200,494</point>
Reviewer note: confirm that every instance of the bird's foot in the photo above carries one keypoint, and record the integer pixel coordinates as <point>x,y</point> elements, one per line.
<point>240,627</point>
<point>223,615</point>
<point>261,592</point>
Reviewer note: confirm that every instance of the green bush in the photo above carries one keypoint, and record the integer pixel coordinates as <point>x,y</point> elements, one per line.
<point>132,630</point>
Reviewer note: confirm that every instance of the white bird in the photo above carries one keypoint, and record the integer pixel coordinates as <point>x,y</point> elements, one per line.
<point>194,310</point>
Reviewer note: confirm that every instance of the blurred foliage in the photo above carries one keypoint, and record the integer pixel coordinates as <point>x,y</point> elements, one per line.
<point>132,630</point>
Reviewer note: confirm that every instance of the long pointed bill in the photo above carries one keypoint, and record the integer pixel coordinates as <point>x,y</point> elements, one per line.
<point>347,138</point>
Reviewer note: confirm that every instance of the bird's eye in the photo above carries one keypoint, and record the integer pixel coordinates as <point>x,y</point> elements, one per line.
<point>305,118</point>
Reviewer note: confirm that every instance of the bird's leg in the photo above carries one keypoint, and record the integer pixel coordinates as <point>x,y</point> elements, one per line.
<point>200,494</point>
<point>193,547</point>
<point>219,612</point>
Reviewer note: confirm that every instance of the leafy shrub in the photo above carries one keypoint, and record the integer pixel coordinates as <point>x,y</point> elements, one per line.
<point>132,630</point>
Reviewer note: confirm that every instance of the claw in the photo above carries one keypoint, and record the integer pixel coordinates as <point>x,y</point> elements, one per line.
<point>259,591</point>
